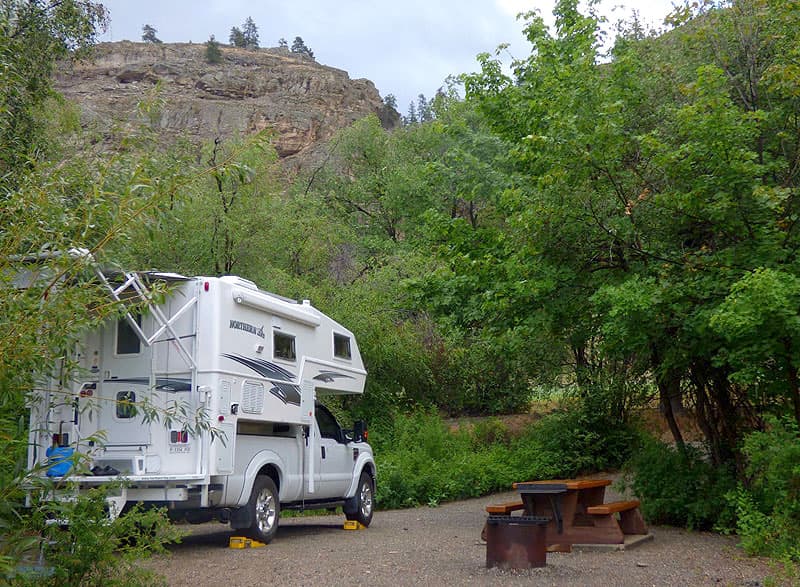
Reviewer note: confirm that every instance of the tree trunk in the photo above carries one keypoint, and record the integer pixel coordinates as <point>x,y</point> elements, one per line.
<point>668,381</point>
<point>717,414</point>
<point>669,387</point>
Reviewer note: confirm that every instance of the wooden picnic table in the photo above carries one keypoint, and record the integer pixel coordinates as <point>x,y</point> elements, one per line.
<point>577,512</point>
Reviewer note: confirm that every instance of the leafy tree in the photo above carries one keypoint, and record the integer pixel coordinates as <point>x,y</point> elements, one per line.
<point>380,180</point>
<point>213,52</point>
<point>299,47</point>
<point>250,34</point>
<point>33,35</point>
<point>221,218</point>
<point>650,216</point>
<point>283,43</point>
<point>72,203</point>
<point>396,191</point>
<point>237,38</point>
<point>149,34</point>
<point>759,322</point>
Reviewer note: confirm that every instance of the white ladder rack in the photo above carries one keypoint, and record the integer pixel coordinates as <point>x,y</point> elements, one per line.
<point>134,283</point>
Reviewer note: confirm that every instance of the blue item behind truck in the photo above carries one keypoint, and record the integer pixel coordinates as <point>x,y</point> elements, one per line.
<point>59,460</point>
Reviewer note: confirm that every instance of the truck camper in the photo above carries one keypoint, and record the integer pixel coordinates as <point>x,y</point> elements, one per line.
<point>249,366</point>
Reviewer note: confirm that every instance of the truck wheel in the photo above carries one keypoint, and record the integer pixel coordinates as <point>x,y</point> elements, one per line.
<point>264,509</point>
<point>360,506</point>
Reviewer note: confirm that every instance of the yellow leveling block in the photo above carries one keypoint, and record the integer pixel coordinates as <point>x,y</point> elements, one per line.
<point>243,542</point>
<point>354,525</point>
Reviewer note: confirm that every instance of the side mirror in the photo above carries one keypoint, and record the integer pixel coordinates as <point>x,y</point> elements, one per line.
<point>360,431</point>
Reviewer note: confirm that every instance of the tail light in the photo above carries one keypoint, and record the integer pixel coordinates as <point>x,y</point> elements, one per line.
<point>178,436</point>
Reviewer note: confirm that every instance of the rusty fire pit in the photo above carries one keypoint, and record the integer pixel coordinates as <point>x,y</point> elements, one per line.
<point>516,542</point>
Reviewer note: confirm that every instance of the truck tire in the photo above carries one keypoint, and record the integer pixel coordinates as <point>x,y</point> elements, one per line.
<point>360,506</point>
<point>264,509</point>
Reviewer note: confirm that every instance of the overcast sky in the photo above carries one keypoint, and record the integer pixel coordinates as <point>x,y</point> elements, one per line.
<point>405,48</point>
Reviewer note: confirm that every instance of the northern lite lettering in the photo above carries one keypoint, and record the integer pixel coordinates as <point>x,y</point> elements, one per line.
<point>257,330</point>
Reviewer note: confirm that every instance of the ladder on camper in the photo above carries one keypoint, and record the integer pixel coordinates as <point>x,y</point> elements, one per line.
<point>134,283</point>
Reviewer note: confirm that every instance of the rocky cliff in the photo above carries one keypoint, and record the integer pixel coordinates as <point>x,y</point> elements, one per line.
<point>302,101</point>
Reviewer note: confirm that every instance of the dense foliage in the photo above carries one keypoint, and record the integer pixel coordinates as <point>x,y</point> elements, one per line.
<point>680,487</point>
<point>768,501</point>
<point>654,222</point>
<point>423,461</point>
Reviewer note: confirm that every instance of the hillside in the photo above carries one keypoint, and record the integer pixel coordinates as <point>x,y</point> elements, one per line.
<point>302,101</point>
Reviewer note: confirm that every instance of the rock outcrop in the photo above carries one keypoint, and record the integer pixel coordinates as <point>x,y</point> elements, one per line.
<point>302,101</point>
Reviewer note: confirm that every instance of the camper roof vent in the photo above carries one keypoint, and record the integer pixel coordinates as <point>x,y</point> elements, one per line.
<point>239,282</point>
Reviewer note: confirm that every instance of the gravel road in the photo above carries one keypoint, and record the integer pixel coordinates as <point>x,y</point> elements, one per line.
<point>442,546</point>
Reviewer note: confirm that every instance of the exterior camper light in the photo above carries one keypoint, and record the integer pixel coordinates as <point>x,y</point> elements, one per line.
<point>206,286</point>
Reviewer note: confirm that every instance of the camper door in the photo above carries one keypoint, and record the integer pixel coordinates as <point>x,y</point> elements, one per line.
<point>121,418</point>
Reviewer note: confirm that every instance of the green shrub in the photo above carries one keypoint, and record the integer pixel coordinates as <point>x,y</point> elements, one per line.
<point>421,461</point>
<point>574,441</point>
<point>90,549</point>
<point>490,431</point>
<point>680,488</point>
<point>768,507</point>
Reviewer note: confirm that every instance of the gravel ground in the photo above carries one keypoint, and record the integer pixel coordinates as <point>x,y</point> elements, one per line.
<point>442,546</point>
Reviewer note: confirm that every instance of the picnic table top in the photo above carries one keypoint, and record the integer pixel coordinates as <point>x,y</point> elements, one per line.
<point>569,484</point>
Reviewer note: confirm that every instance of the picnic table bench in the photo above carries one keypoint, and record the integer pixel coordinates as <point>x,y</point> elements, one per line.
<point>505,509</point>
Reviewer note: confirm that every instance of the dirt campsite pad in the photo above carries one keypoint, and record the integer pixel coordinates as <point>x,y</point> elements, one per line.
<point>442,546</point>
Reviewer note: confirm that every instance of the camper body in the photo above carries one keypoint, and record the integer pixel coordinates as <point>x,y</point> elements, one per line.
<point>248,367</point>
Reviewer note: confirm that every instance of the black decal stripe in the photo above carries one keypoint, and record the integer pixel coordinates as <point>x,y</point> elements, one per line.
<point>288,394</point>
<point>284,374</point>
<point>263,368</point>
<point>247,363</point>
<point>169,384</point>
<point>329,376</point>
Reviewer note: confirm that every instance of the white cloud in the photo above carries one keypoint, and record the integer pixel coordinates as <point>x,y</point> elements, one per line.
<point>514,7</point>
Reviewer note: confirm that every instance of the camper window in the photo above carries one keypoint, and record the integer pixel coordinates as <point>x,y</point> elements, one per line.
<point>126,407</point>
<point>128,342</point>
<point>283,346</point>
<point>341,346</point>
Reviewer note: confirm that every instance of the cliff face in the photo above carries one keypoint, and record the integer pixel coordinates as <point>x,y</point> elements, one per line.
<point>303,102</point>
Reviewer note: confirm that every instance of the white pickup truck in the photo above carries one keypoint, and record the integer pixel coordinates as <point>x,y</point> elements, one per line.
<point>253,364</point>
